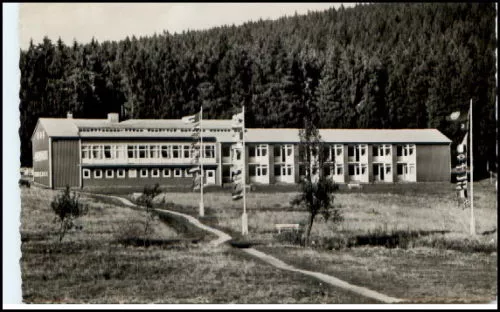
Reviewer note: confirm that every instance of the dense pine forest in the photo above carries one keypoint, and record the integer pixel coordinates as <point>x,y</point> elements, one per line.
<point>372,66</point>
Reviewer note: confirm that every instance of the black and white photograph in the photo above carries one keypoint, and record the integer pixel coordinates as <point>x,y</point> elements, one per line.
<point>291,154</point>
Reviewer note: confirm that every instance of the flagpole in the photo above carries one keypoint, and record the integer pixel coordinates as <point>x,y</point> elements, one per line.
<point>202,174</point>
<point>244,217</point>
<point>472,222</point>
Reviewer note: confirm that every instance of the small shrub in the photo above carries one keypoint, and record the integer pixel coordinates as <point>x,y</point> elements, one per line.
<point>291,237</point>
<point>67,208</point>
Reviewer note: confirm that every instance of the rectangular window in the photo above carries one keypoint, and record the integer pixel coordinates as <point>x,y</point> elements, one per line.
<point>302,170</point>
<point>120,173</point>
<point>387,169</point>
<point>132,173</point>
<point>351,170</point>
<point>155,173</point>
<point>86,173</point>
<point>118,151</point>
<point>326,153</point>
<point>109,173</point>
<point>350,151</point>
<point>387,150</point>
<point>251,151</point>
<point>96,152</point>
<point>399,150</point>
<point>98,173</point>
<point>375,150</point>
<point>165,151</point>
<point>175,151</point>
<point>177,173</point>
<point>252,170</point>
<point>107,151</point>
<point>142,151</point>
<point>399,169</point>
<point>131,151</point>
<point>209,151</point>
<point>186,151</point>
<point>144,173</point>
<point>339,169</point>
<point>166,173</point>
<point>261,150</point>
<point>362,149</point>
<point>411,149</point>
<point>187,173</point>
<point>277,150</point>
<point>226,151</point>
<point>376,168</point>
<point>262,170</point>
<point>153,151</point>
<point>289,149</point>
<point>277,170</point>
<point>327,170</point>
<point>85,152</point>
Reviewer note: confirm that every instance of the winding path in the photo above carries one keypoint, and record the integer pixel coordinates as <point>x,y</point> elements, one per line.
<point>223,237</point>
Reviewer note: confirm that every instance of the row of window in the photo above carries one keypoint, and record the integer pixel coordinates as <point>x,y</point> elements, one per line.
<point>134,173</point>
<point>185,151</point>
<point>145,151</point>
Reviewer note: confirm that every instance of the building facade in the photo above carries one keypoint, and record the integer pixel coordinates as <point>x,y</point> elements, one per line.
<point>107,152</point>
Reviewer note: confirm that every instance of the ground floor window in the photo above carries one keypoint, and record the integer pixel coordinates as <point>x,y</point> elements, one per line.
<point>187,173</point>
<point>109,173</point>
<point>86,173</point>
<point>357,169</point>
<point>98,173</point>
<point>177,173</point>
<point>144,173</point>
<point>166,173</point>
<point>155,173</point>
<point>120,173</point>
<point>132,173</point>
<point>257,170</point>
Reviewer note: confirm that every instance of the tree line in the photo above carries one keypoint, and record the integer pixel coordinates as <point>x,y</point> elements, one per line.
<point>406,65</point>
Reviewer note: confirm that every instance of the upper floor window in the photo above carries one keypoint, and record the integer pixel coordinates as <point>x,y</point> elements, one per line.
<point>405,150</point>
<point>186,151</point>
<point>226,151</point>
<point>261,150</point>
<point>175,151</point>
<point>209,151</point>
<point>142,151</point>
<point>165,151</point>
<point>107,151</point>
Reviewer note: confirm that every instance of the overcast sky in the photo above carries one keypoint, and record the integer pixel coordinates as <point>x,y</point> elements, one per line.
<point>115,21</point>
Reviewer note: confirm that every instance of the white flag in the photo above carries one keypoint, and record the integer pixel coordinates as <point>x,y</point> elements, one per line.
<point>237,120</point>
<point>191,119</point>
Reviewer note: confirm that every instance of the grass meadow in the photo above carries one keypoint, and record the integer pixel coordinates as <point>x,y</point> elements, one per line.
<point>91,266</point>
<point>433,259</point>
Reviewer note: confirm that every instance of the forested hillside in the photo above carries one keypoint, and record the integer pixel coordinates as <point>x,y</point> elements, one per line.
<point>371,66</point>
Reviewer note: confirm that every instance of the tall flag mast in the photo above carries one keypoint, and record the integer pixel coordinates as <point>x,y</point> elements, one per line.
<point>462,148</point>
<point>239,166</point>
<point>197,129</point>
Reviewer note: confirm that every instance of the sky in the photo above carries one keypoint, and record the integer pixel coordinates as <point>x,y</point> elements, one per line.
<point>115,21</point>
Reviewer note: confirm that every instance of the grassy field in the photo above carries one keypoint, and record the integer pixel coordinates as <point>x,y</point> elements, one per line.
<point>426,208</point>
<point>441,263</point>
<point>90,266</point>
<point>418,275</point>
